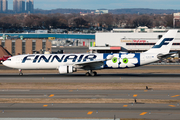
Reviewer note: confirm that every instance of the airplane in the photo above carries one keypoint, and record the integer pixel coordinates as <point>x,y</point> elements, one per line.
<point>70,63</point>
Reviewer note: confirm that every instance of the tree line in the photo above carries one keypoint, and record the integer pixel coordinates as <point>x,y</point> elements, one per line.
<point>63,21</point>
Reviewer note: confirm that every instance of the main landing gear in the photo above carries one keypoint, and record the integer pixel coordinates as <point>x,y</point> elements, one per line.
<point>91,73</point>
<point>20,72</point>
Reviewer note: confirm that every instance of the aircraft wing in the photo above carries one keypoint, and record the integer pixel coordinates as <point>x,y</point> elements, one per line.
<point>164,56</point>
<point>96,64</point>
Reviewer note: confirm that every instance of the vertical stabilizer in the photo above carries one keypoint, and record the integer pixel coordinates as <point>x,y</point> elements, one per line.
<point>163,46</point>
<point>4,52</point>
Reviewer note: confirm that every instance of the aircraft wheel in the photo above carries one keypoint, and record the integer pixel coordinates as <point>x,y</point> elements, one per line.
<point>92,74</point>
<point>87,74</point>
<point>95,73</point>
<point>21,74</point>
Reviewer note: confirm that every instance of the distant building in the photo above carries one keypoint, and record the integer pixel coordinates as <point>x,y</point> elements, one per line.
<point>84,14</point>
<point>19,6</point>
<point>23,6</point>
<point>15,3</point>
<point>30,6</point>
<point>101,12</point>
<point>131,40</point>
<point>176,18</point>
<point>1,6</point>
<point>4,5</point>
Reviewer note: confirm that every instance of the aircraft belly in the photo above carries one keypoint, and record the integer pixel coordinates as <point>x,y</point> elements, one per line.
<point>38,66</point>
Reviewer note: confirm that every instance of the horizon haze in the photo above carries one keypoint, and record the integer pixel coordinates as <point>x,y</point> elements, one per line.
<point>102,4</point>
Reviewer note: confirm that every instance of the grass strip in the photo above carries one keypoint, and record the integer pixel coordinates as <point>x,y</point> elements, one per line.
<point>90,86</point>
<point>87,101</point>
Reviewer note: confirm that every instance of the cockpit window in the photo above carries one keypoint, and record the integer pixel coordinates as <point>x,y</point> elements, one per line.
<point>8,60</point>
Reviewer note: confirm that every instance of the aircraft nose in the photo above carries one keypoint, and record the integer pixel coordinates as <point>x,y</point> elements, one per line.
<point>4,63</point>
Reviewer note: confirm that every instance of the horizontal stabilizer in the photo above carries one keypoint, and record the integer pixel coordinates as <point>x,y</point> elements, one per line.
<point>164,56</point>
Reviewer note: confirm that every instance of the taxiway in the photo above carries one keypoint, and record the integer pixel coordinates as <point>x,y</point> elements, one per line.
<point>157,111</point>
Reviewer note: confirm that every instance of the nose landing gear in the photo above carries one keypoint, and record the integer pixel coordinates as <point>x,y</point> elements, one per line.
<point>20,72</point>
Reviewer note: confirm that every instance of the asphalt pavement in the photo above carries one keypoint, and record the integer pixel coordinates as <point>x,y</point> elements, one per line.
<point>92,94</point>
<point>158,111</point>
<point>146,111</point>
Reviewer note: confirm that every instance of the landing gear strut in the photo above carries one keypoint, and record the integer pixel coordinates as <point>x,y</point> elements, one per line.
<point>20,72</point>
<point>91,73</point>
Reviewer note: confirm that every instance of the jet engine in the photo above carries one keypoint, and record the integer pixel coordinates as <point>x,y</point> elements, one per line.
<point>66,69</point>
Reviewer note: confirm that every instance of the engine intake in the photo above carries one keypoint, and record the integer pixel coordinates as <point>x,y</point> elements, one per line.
<point>66,69</point>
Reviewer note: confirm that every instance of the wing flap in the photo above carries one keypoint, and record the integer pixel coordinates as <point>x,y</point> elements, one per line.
<point>90,62</point>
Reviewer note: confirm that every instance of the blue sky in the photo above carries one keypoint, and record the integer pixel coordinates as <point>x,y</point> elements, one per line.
<point>107,4</point>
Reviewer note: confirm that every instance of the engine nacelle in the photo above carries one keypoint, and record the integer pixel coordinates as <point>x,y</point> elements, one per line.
<point>66,69</point>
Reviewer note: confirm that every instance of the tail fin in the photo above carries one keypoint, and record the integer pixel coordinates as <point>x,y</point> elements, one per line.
<point>163,46</point>
<point>3,52</point>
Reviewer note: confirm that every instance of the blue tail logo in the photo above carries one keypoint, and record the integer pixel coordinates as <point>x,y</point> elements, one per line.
<point>164,42</point>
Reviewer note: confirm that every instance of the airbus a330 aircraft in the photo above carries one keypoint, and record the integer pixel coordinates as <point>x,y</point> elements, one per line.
<point>69,63</point>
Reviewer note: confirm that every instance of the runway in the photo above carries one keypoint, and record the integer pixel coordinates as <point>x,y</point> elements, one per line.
<point>150,111</point>
<point>162,86</point>
<point>92,94</point>
<point>81,78</point>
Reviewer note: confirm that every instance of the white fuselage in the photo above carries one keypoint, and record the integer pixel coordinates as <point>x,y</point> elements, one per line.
<point>53,61</point>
